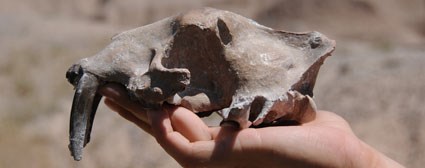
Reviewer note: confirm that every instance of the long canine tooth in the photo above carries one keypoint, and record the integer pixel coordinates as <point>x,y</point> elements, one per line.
<point>83,110</point>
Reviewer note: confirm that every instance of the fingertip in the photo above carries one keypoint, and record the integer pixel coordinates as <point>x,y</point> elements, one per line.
<point>108,92</point>
<point>108,101</point>
<point>110,104</point>
<point>112,90</point>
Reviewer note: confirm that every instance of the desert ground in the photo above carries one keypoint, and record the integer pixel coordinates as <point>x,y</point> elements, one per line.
<point>375,79</point>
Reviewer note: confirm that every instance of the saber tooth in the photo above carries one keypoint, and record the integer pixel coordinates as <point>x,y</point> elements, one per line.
<point>84,106</point>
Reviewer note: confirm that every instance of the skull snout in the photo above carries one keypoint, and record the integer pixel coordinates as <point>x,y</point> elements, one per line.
<point>74,74</point>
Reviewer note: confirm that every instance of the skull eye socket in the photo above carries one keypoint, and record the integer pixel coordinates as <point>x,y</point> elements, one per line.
<point>224,32</point>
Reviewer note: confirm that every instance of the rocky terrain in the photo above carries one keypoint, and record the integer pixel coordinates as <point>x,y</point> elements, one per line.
<point>375,78</point>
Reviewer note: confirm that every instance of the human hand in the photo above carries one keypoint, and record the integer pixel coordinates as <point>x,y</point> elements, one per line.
<point>327,141</point>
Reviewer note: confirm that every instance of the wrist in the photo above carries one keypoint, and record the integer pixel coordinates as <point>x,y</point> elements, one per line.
<point>370,157</point>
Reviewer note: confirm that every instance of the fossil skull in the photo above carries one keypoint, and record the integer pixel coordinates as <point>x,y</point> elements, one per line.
<point>206,60</point>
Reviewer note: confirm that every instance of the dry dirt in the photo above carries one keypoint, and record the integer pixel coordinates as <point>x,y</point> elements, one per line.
<point>375,79</point>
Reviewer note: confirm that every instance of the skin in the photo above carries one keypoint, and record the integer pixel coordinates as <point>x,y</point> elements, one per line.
<point>327,141</point>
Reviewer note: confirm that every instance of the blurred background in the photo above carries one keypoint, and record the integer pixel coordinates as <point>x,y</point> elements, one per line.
<point>375,78</point>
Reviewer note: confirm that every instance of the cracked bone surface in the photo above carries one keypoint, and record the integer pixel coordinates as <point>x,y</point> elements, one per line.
<point>206,60</point>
